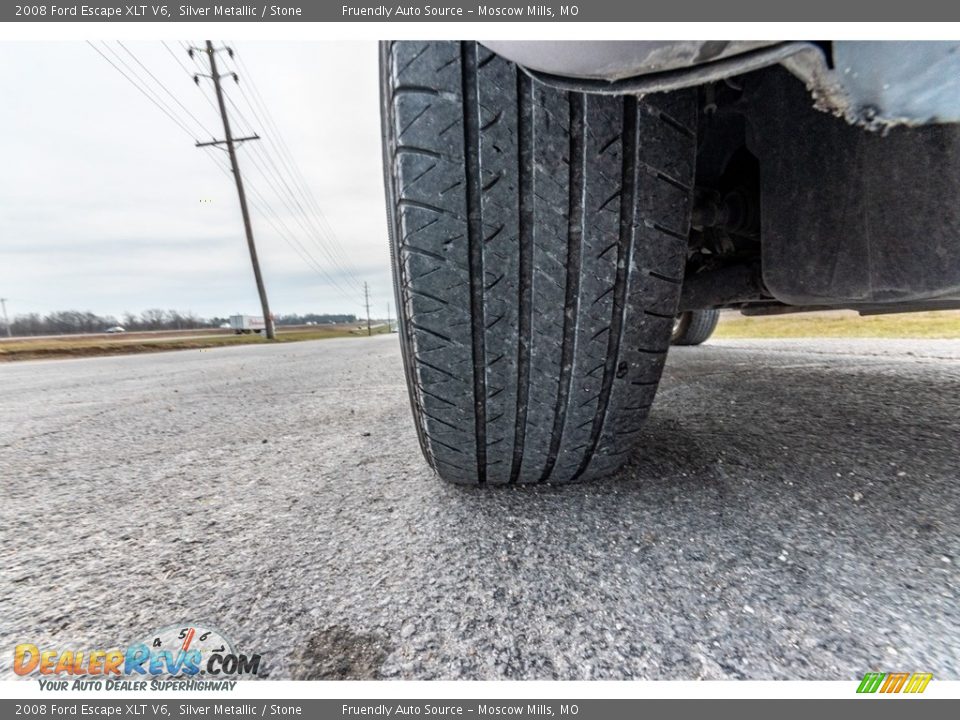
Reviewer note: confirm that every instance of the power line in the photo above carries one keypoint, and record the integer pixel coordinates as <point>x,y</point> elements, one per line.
<point>274,178</point>
<point>268,213</point>
<point>146,85</point>
<point>179,61</point>
<point>238,178</point>
<point>191,74</point>
<point>187,46</point>
<point>317,233</point>
<point>266,209</point>
<point>286,158</point>
<point>292,213</point>
<point>162,109</point>
<point>291,236</point>
<point>287,235</point>
<point>165,88</point>
<point>272,217</point>
<point>300,183</point>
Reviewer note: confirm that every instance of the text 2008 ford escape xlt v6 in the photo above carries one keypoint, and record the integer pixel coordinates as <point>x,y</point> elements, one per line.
<point>555,207</point>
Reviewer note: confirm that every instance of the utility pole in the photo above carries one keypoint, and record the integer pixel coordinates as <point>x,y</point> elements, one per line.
<point>389,322</point>
<point>231,151</point>
<point>366,301</point>
<point>6,320</point>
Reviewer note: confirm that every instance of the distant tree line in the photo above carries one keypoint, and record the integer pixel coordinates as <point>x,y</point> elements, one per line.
<point>314,318</point>
<point>67,322</point>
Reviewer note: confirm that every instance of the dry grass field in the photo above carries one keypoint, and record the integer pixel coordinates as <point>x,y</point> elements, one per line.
<point>67,346</point>
<point>841,323</point>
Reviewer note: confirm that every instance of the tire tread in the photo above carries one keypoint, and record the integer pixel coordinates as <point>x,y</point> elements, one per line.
<point>537,260</point>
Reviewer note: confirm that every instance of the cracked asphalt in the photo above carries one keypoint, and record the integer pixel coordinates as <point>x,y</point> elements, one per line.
<point>792,514</point>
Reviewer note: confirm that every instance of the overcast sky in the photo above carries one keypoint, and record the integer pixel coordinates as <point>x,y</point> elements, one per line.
<point>105,204</point>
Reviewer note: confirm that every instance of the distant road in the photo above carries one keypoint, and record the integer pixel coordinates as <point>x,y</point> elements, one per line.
<point>132,334</point>
<point>793,514</point>
<point>153,334</point>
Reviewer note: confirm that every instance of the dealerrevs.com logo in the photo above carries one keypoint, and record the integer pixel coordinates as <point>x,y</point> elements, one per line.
<point>173,653</point>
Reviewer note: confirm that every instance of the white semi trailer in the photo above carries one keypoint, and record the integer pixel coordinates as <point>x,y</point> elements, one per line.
<point>245,324</point>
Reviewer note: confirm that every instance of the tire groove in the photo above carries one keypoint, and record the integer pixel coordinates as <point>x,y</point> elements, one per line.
<point>575,232</point>
<point>525,142</point>
<point>624,252</point>
<point>471,136</point>
<point>415,90</point>
<point>414,150</point>
<point>665,278</point>
<point>668,231</point>
<point>407,202</point>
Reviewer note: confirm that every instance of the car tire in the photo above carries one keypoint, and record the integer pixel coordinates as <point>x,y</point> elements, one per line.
<point>694,327</point>
<point>538,240</point>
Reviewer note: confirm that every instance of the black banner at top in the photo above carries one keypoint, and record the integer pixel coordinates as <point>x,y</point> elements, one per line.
<point>473,11</point>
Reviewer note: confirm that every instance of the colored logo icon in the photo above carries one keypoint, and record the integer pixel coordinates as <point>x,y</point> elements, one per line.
<point>898,682</point>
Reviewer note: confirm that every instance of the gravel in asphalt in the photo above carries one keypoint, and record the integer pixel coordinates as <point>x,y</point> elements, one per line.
<point>792,514</point>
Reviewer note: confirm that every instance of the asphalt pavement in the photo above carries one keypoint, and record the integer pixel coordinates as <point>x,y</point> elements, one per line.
<point>794,513</point>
